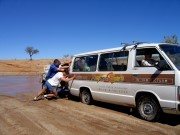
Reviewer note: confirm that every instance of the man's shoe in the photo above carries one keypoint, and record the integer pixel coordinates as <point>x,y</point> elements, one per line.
<point>35,99</point>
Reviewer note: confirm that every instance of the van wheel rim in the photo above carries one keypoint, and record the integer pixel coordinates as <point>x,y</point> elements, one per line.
<point>148,109</point>
<point>86,98</point>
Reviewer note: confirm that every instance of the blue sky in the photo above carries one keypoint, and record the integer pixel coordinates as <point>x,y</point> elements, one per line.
<point>58,27</point>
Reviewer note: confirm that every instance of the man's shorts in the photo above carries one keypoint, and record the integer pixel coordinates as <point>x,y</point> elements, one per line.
<point>47,85</point>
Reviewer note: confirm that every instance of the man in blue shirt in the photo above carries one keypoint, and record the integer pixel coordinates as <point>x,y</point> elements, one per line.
<point>54,68</point>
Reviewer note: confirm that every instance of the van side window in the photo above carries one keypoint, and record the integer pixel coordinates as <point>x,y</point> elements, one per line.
<point>115,61</point>
<point>148,57</point>
<point>85,63</point>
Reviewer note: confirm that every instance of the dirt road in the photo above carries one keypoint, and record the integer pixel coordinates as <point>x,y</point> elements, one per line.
<point>20,115</point>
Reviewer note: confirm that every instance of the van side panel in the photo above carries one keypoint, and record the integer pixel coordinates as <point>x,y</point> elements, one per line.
<point>122,88</point>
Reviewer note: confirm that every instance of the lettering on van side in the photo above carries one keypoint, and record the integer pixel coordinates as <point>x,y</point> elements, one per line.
<point>112,89</point>
<point>153,80</point>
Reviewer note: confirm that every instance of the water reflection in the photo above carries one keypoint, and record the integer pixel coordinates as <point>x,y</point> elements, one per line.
<point>12,85</point>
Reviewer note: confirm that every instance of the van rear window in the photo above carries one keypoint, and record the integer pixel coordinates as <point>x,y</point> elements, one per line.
<point>85,63</point>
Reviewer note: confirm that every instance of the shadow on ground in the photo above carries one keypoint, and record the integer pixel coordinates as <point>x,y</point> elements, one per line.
<point>169,119</point>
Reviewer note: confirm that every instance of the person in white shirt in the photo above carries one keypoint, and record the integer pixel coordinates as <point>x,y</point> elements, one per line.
<point>52,84</point>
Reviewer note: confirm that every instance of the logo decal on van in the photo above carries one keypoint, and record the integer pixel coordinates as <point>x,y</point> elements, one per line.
<point>109,78</point>
<point>102,77</point>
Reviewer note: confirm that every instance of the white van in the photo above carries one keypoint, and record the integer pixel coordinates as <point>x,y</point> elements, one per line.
<point>120,76</point>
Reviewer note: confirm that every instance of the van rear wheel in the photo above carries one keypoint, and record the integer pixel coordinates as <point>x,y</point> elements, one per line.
<point>148,108</point>
<point>86,97</point>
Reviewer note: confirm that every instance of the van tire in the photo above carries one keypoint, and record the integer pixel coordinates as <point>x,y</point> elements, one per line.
<point>148,108</point>
<point>86,97</point>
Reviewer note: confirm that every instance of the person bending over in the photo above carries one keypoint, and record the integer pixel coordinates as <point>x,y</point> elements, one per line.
<point>52,83</point>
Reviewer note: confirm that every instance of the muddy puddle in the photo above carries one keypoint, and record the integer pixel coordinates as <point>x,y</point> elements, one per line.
<point>12,85</point>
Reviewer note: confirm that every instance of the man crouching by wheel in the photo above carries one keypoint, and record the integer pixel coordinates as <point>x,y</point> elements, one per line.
<point>52,83</point>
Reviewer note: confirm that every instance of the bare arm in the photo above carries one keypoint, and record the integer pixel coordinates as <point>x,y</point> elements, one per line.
<point>62,68</point>
<point>145,63</point>
<point>65,66</point>
<point>68,79</point>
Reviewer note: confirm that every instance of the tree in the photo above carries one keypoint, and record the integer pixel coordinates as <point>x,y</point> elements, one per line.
<point>171,39</point>
<point>31,51</point>
<point>67,56</point>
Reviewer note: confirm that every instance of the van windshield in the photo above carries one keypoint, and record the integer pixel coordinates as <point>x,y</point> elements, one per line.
<point>173,52</point>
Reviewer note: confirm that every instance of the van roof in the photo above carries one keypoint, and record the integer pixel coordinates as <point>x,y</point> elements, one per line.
<point>129,46</point>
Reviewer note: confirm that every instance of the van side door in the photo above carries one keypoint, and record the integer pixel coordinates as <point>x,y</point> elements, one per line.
<point>112,70</point>
<point>147,78</point>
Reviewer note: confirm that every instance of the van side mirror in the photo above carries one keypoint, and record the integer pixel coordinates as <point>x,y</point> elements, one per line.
<point>162,65</point>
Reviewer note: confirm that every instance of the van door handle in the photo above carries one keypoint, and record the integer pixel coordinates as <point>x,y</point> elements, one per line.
<point>135,74</point>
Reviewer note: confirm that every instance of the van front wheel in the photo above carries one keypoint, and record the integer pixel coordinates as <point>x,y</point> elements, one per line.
<point>148,108</point>
<point>86,97</point>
